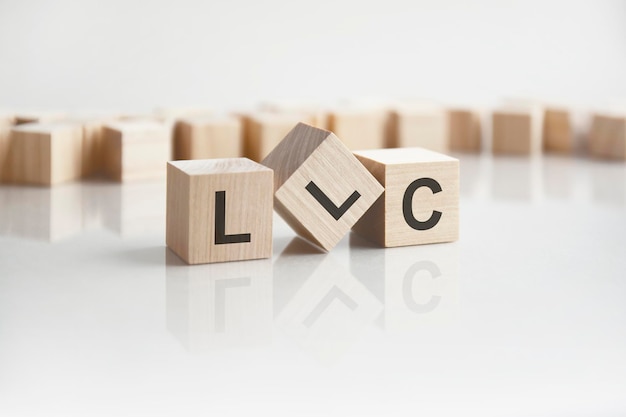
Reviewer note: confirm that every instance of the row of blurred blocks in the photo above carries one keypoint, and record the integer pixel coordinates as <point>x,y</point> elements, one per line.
<point>50,148</point>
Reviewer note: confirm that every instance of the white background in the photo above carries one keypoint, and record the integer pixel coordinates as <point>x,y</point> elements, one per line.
<point>134,55</point>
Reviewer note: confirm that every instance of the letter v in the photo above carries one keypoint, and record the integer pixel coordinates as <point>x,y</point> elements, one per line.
<point>330,207</point>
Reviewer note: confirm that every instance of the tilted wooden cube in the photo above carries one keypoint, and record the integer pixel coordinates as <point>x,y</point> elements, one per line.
<point>517,131</point>
<point>607,138</point>
<point>423,125</point>
<point>208,137</point>
<point>46,154</point>
<point>321,189</point>
<point>558,135</point>
<point>219,210</point>
<point>464,130</point>
<point>136,150</point>
<point>421,200</point>
<point>359,128</point>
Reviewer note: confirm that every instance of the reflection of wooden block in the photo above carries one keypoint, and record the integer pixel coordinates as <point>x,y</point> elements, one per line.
<point>39,117</point>
<point>424,126</point>
<point>557,131</point>
<point>136,150</point>
<point>421,199</point>
<point>208,137</point>
<point>5,167</point>
<point>464,130</point>
<point>265,131</point>
<point>359,129</point>
<point>607,138</point>
<point>46,154</point>
<point>219,210</point>
<point>517,132</point>
<point>321,189</point>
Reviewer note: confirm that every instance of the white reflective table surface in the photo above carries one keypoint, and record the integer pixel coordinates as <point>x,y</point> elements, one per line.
<point>524,315</point>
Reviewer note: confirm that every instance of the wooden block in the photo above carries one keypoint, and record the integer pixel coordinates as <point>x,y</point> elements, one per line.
<point>607,137</point>
<point>321,189</point>
<point>557,131</point>
<point>171,114</point>
<point>425,126</point>
<point>265,131</point>
<point>315,114</point>
<point>464,129</point>
<point>93,137</point>
<point>46,154</point>
<point>517,131</point>
<point>5,144</point>
<point>6,119</point>
<point>208,137</point>
<point>420,204</point>
<point>39,117</point>
<point>136,150</point>
<point>219,210</point>
<point>359,128</point>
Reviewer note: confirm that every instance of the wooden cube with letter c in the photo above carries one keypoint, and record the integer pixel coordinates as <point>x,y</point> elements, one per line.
<point>219,210</point>
<point>321,189</point>
<point>420,204</point>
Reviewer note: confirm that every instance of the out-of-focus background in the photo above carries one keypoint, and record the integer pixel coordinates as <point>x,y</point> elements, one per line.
<point>134,55</point>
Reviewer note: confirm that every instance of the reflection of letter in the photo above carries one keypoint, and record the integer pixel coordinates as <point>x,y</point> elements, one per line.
<point>220,223</point>
<point>220,299</point>
<point>407,204</point>
<point>334,293</point>
<point>407,287</point>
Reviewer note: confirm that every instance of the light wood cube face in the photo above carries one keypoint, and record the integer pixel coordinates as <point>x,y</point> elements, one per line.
<point>136,150</point>
<point>516,133</point>
<point>557,131</point>
<point>46,154</point>
<point>424,128</point>
<point>202,138</point>
<point>219,210</point>
<point>420,204</point>
<point>321,188</point>
<point>465,131</point>
<point>360,129</point>
<point>608,137</point>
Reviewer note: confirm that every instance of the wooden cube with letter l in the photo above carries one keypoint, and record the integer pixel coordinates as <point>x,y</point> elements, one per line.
<point>420,204</point>
<point>219,210</point>
<point>321,189</point>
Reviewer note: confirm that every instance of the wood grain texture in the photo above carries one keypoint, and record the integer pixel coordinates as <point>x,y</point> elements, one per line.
<point>465,130</point>
<point>208,137</point>
<point>5,145</point>
<point>558,133</point>
<point>196,190</point>
<point>136,150</point>
<point>418,125</point>
<point>265,130</point>
<point>607,137</point>
<point>517,131</point>
<point>408,195</point>
<point>46,154</point>
<point>308,154</point>
<point>360,128</point>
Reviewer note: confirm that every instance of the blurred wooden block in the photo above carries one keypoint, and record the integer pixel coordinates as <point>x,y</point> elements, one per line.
<point>359,128</point>
<point>171,114</point>
<point>558,133</point>
<point>136,150</point>
<point>464,130</point>
<point>421,200</point>
<point>321,189</point>
<point>39,117</point>
<point>314,114</point>
<point>219,210</point>
<point>93,137</point>
<point>46,154</point>
<point>607,137</point>
<point>5,167</point>
<point>6,119</point>
<point>517,131</point>
<point>208,137</point>
<point>265,131</point>
<point>418,125</point>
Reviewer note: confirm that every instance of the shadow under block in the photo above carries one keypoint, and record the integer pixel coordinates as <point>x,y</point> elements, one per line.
<point>420,204</point>
<point>208,137</point>
<point>321,189</point>
<point>46,154</point>
<point>136,150</point>
<point>265,131</point>
<point>607,138</point>
<point>423,127</point>
<point>219,210</point>
<point>517,132</point>
<point>359,129</point>
<point>557,131</point>
<point>464,129</point>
